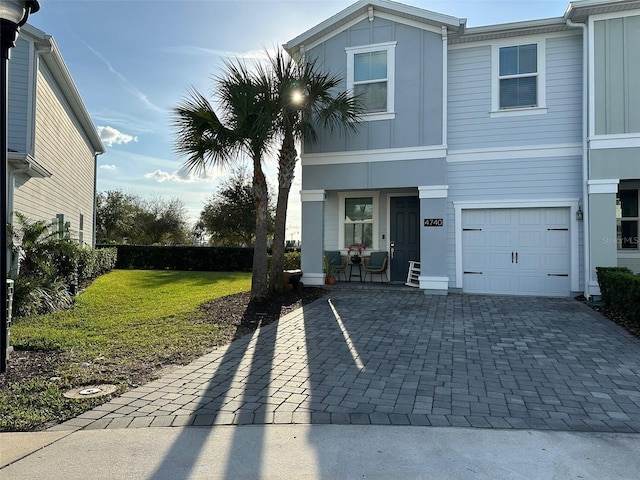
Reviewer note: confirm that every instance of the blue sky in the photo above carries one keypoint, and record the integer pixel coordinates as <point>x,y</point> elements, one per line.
<point>133,60</point>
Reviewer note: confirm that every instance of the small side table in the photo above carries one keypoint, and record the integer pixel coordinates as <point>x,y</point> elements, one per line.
<point>359,274</point>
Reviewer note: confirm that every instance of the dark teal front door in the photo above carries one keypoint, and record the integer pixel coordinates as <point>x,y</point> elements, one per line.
<point>404,236</point>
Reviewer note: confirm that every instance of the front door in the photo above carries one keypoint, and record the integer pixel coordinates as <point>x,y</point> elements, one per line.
<point>405,235</point>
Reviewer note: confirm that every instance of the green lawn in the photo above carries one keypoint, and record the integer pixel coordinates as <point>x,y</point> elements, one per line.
<point>126,324</point>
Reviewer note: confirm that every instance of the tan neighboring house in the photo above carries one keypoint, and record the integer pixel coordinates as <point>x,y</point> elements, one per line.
<point>53,144</point>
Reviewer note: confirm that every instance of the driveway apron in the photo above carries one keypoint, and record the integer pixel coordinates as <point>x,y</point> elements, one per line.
<point>387,357</point>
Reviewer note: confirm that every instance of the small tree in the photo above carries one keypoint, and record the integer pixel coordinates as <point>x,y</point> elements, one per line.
<point>160,221</point>
<point>229,216</point>
<point>115,215</point>
<point>127,218</point>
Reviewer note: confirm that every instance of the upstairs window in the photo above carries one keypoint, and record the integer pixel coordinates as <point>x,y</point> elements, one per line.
<point>370,76</point>
<point>518,76</point>
<point>628,219</point>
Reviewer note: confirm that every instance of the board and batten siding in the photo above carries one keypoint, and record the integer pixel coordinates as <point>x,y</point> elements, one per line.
<point>510,180</point>
<point>418,87</point>
<point>617,75</point>
<point>63,148</point>
<point>18,105</point>
<point>469,104</point>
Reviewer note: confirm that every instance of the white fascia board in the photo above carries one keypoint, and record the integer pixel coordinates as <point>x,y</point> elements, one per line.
<point>312,195</point>
<point>25,163</point>
<point>433,191</point>
<point>605,142</point>
<point>510,153</point>
<point>603,186</point>
<point>381,155</point>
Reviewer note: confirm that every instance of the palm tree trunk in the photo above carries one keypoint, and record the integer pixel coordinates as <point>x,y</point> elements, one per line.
<point>259,272</point>
<point>286,167</point>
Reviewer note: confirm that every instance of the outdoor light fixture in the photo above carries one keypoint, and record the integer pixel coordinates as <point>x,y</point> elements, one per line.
<point>13,15</point>
<point>579,213</point>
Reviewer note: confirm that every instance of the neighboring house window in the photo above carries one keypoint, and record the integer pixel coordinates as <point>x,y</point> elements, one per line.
<point>370,76</point>
<point>519,79</point>
<point>628,219</point>
<point>81,230</point>
<point>519,76</point>
<point>358,214</point>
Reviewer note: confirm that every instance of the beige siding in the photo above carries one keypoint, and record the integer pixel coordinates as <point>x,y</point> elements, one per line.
<point>63,149</point>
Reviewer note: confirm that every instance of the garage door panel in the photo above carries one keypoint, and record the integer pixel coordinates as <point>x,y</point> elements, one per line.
<point>500,283</point>
<point>529,239</point>
<point>500,261</point>
<point>499,217</point>
<point>528,217</point>
<point>557,239</point>
<point>499,238</point>
<point>530,284</point>
<point>474,239</point>
<point>539,236</point>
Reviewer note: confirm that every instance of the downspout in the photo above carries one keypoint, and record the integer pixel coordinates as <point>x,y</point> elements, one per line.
<point>585,152</point>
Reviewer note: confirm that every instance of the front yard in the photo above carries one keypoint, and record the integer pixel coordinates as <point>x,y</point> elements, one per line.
<point>124,329</point>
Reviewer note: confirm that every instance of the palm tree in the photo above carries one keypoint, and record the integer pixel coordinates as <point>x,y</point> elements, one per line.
<point>245,126</point>
<point>307,99</point>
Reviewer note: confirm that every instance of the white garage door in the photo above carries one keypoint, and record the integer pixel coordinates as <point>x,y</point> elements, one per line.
<point>523,251</point>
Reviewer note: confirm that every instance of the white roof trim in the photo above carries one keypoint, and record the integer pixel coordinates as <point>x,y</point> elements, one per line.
<point>361,10</point>
<point>25,163</point>
<point>59,70</point>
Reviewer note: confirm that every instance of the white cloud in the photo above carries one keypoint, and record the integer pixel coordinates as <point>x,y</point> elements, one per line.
<point>110,135</point>
<point>180,176</point>
<point>107,167</point>
<point>195,50</point>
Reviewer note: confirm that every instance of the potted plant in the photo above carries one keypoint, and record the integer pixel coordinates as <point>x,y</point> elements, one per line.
<point>329,271</point>
<point>355,252</point>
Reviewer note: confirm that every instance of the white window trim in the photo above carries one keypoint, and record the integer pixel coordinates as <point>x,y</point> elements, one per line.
<point>629,252</point>
<point>375,195</point>
<point>541,108</point>
<point>390,47</point>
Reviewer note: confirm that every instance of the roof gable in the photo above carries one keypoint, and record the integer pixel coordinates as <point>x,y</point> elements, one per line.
<point>370,9</point>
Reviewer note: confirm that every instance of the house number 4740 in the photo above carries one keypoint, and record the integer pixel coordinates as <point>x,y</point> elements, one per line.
<point>433,222</point>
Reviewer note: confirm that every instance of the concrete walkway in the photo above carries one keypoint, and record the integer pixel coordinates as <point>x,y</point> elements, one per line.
<point>381,357</point>
<point>329,452</point>
<point>552,387</point>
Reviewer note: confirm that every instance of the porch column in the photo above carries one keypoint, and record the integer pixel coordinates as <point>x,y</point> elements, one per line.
<point>603,240</point>
<point>312,236</point>
<point>433,239</point>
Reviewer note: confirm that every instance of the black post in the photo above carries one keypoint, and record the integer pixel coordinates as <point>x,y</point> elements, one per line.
<point>8,32</point>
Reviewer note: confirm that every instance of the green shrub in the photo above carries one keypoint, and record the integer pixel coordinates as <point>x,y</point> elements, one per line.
<point>292,260</point>
<point>37,296</point>
<point>204,259</point>
<point>51,267</point>
<point>620,290</point>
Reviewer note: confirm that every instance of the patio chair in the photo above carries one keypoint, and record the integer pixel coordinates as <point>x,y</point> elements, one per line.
<point>377,264</point>
<point>338,262</point>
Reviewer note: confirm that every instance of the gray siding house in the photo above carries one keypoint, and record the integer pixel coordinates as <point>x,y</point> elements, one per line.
<point>53,144</point>
<point>502,159</point>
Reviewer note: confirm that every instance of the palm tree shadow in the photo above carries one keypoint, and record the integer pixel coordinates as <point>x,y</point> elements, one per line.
<point>233,396</point>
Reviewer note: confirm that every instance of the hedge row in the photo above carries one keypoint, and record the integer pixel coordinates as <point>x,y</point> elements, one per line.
<point>214,259</point>
<point>620,290</point>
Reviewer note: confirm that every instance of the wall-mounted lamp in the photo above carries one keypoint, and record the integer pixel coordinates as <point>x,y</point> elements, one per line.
<point>579,213</point>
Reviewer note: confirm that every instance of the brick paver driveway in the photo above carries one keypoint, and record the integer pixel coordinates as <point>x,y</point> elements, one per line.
<point>398,357</point>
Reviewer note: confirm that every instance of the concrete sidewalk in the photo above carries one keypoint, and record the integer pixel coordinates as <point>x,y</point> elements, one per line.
<point>325,451</point>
